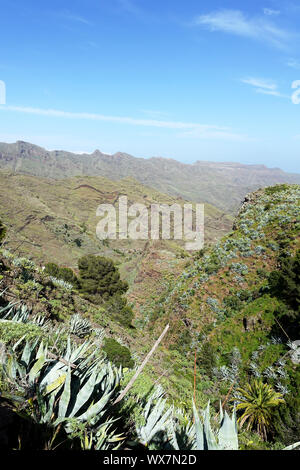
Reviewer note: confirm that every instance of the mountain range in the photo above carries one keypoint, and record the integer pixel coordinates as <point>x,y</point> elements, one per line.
<point>223,185</point>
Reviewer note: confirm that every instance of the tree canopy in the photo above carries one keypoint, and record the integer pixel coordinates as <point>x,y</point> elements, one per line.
<point>99,276</point>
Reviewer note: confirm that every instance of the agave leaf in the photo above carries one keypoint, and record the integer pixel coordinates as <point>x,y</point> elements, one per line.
<point>52,373</point>
<point>159,426</point>
<point>10,367</point>
<point>15,346</point>
<point>84,393</point>
<point>26,354</point>
<point>36,368</point>
<point>96,408</point>
<point>56,383</point>
<point>47,417</point>
<point>65,396</point>
<point>210,442</point>
<point>198,429</point>
<point>228,439</point>
<point>172,435</point>
<point>292,446</point>
<point>221,413</point>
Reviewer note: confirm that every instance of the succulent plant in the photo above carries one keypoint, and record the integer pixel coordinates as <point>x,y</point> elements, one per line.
<point>79,326</point>
<point>74,386</point>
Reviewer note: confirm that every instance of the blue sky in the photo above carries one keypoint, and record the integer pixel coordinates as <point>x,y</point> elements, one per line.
<point>190,80</point>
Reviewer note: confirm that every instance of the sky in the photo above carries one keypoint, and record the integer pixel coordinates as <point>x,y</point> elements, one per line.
<point>190,80</point>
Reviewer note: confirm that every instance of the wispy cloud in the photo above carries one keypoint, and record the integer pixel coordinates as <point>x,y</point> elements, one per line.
<point>260,83</point>
<point>293,63</point>
<point>270,12</point>
<point>204,131</point>
<point>237,23</point>
<point>68,15</point>
<point>263,86</point>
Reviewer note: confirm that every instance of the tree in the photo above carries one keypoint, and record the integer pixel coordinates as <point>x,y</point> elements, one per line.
<point>257,401</point>
<point>99,276</point>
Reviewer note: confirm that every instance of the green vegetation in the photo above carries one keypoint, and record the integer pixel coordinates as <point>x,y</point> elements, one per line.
<point>285,283</point>
<point>257,402</point>
<point>116,353</point>
<point>233,311</point>
<point>63,273</point>
<point>2,231</point>
<point>99,277</point>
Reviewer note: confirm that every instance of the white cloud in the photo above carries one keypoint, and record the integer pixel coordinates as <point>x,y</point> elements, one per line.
<point>270,12</point>
<point>203,130</point>
<point>293,63</point>
<point>260,83</point>
<point>263,86</point>
<point>237,23</point>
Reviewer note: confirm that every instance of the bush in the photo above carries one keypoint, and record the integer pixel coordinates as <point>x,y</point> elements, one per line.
<point>11,332</point>
<point>119,309</point>
<point>99,276</point>
<point>65,274</point>
<point>52,269</point>
<point>285,284</point>
<point>118,354</point>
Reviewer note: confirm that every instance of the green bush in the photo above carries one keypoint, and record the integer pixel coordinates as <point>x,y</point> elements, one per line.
<point>66,274</point>
<point>11,332</point>
<point>118,354</point>
<point>119,310</point>
<point>285,283</point>
<point>99,276</point>
<point>52,269</point>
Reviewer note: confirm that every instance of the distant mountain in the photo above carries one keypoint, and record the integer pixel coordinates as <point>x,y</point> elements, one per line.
<point>223,185</point>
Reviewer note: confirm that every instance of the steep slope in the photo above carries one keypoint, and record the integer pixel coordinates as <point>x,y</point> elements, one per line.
<point>221,184</point>
<point>56,220</point>
<point>267,223</point>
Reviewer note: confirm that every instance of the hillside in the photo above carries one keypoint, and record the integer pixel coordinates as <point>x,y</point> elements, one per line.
<point>56,220</point>
<point>223,185</point>
<point>233,308</point>
<point>222,305</point>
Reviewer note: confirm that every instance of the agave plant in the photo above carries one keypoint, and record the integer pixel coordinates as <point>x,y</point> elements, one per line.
<point>61,283</point>
<point>155,418</point>
<point>40,320</point>
<point>59,390</point>
<point>18,314</point>
<point>79,326</point>
<point>200,436</point>
<point>101,438</point>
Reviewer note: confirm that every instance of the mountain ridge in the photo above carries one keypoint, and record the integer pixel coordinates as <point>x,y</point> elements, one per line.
<point>222,184</point>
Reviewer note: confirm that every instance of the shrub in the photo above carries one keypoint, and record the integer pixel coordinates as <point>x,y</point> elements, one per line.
<point>99,276</point>
<point>52,269</point>
<point>285,284</point>
<point>119,309</point>
<point>118,354</point>
<point>65,274</point>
